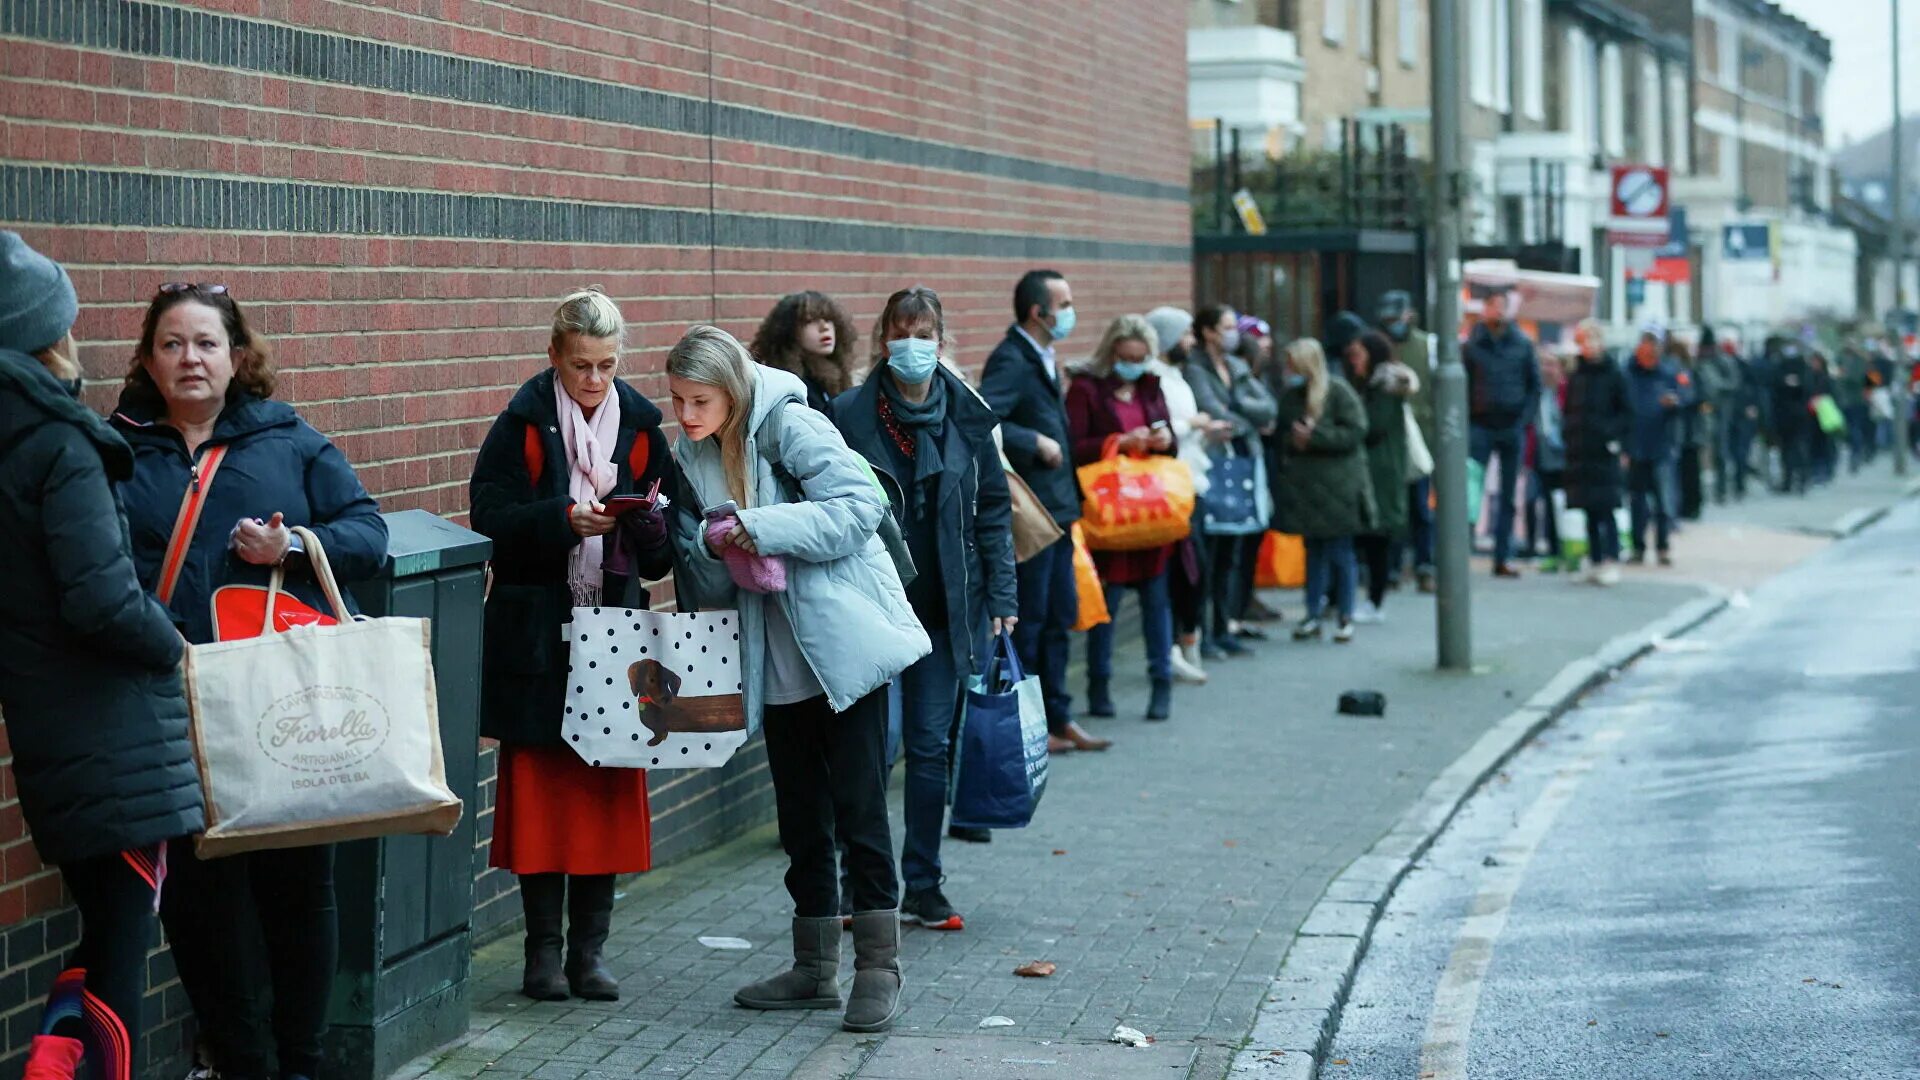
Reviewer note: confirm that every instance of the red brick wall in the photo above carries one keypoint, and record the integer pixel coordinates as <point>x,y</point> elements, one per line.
<point>398,192</point>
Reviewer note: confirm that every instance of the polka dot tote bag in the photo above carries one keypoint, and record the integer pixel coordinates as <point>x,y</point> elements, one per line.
<point>654,689</point>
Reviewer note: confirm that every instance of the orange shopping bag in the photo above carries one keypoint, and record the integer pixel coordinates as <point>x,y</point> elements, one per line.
<point>1134,503</point>
<point>1086,582</point>
<point>1282,563</point>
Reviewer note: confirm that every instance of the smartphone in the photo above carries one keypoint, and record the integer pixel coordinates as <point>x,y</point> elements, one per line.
<point>725,509</point>
<point>1160,425</point>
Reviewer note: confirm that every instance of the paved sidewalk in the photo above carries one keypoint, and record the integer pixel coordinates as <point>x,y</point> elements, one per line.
<point>1165,877</point>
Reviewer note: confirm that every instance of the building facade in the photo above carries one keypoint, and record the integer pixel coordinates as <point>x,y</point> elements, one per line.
<point>399,194</point>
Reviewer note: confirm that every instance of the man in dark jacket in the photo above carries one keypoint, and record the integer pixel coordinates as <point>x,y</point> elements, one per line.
<point>1022,383</point>
<point>1794,428</point>
<point>1656,394</point>
<point>1411,347</point>
<point>1503,386</point>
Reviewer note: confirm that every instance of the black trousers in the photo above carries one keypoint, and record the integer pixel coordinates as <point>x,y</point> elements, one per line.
<point>830,778</point>
<point>256,939</point>
<point>1230,569</point>
<point>1376,554</point>
<point>115,894</point>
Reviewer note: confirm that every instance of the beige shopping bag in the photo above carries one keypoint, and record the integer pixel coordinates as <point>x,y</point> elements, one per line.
<point>316,734</point>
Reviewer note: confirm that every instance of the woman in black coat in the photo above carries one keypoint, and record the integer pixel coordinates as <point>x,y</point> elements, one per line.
<point>88,676</point>
<point>1595,422</point>
<point>255,935</point>
<point>573,436</point>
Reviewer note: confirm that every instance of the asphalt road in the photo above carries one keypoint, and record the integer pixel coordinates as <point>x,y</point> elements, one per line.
<point>1708,870</point>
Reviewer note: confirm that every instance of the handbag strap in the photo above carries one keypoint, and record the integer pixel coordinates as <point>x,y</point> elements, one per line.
<point>186,522</point>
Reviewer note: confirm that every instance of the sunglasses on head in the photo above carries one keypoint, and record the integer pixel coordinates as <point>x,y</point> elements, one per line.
<point>207,287</point>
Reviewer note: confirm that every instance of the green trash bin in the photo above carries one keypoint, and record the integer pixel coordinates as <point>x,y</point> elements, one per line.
<point>406,902</point>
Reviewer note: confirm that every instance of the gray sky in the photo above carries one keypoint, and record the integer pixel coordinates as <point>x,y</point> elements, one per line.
<point>1859,94</point>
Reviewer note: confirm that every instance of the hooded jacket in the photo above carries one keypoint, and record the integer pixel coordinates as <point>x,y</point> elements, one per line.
<point>849,613</point>
<point>89,677</point>
<point>1503,378</point>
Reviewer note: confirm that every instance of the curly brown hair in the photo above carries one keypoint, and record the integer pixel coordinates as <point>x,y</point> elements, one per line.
<point>252,360</point>
<point>777,343</point>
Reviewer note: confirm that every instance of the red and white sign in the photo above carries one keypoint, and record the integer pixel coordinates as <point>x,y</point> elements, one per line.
<point>1638,206</point>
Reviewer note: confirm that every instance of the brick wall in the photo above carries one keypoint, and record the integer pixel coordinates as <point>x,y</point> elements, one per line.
<point>399,192</point>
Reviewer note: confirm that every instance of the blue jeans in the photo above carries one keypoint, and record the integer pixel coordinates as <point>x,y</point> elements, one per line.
<point>1156,617</point>
<point>931,692</point>
<point>1484,443</point>
<point>1650,499</point>
<point>1330,556</point>
<point>1049,606</point>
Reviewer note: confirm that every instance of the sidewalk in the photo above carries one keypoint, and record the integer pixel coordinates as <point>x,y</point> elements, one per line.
<point>1165,877</point>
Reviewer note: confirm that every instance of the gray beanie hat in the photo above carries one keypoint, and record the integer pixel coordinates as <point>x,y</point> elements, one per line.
<point>1170,324</point>
<point>37,302</point>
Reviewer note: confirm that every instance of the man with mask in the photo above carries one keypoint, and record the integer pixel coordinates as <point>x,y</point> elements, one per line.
<point>1789,385</point>
<point>1503,389</point>
<point>1401,324</point>
<point>1656,394</point>
<point>1022,384</point>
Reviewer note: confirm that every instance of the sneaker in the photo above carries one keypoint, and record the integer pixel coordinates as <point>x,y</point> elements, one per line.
<point>1249,631</point>
<point>1366,614</point>
<point>1425,581</point>
<point>930,909</point>
<point>1344,632</point>
<point>1306,629</point>
<point>1257,611</point>
<point>1185,669</point>
<point>1608,575</point>
<point>1592,576</point>
<point>1666,559</point>
<point>1638,557</point>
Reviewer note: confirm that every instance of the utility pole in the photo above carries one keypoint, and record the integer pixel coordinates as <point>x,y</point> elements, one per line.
<point>1453,622</point>
<point>1902,365</point>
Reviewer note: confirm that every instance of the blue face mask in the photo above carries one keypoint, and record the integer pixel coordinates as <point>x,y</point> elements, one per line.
<point>1063,320</point>
<point>913,359</point>
<point>1129,372</point>
<point>1296,381</point>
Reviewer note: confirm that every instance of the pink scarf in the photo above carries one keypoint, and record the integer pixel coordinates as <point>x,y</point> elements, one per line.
<point>591,473</point>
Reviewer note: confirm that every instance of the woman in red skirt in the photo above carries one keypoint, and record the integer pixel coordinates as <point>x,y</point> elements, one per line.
<point>573,436</point>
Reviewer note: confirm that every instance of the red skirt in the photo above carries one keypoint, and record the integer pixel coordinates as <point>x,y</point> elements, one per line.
<point>554,813</point>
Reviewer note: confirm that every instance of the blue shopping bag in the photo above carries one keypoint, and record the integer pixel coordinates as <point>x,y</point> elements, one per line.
<point>1003,745</point>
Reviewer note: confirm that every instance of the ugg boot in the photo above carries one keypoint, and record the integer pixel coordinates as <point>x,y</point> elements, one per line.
<point>53,1057</point>
<point>544,897</point>
<point>814,980</point>
<point>1160,705</point>
<point>875,999</point>
<point>1099,700</point>
<point>589,919</point>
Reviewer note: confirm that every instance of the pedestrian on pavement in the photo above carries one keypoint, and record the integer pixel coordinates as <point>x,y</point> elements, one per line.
<point>919,424</point>
<point>1225,389</point>
<point>572,437</point>
<point>1789,386</point>
<point>1691,433</point>
<point>1193,431</point>
<point>207,436</point>
<point>1326,495</point>
<point>1412,349</point>
<point>1596,421</point>
<point>1022,381</point>
<point>1120,399</point>
<point>1503,385</point>
<point>1825,450</point>
<point>1256,348</point>
<point>1384,386</point>
<point>1546,465</point>
<point>1656,395</point>
<point>764,473</point>
<point>80,641</point>
<point>1728,411</point>
<point>1850,393</point>
<point>810,335</point>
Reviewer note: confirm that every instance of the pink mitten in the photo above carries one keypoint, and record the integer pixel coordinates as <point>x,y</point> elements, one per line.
<point>754,573</point>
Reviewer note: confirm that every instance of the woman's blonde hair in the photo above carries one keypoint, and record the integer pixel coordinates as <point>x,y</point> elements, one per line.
<point>1305,357</point>
<point>59,360</point>
<point>1124,328</point>
<point>589,312</point>
<point>712,357</point>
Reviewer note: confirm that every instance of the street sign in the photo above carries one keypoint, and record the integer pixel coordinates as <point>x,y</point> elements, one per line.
<point>1752,242</point>
<point>1638,207</point>
<point>1249,211</point>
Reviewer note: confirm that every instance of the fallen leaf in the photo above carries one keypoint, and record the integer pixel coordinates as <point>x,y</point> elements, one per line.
<point>1338,1061</point>
<point>1059,851</point>
<point>1039,969</point>
<point>1809,980</point>
<point>1229,843</point>
<point>1659,1034</point>
<point>1593,1023</point>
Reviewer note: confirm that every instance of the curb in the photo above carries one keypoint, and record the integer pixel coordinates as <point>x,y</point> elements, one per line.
<point>1853,521</point>
<point>1294,1029</point>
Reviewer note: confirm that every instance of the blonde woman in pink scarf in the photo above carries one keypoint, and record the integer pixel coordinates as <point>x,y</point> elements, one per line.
<point>573,437</point>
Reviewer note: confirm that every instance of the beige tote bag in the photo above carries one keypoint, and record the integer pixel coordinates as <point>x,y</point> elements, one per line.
<point>317,734</point>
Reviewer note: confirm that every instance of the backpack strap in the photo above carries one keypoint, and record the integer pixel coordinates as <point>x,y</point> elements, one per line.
<point>535,452</point>
<point>186,522</point>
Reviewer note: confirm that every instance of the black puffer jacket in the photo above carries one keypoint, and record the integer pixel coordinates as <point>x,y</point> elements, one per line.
<point>1594,423</point>
<point>89,677</point>
<point>523,674</point>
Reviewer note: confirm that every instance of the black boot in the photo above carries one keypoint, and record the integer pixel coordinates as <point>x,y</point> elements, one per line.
<point>1160,705</point>
<point>589,919</point>
<point>1099,701</point>
<point>544,896</point>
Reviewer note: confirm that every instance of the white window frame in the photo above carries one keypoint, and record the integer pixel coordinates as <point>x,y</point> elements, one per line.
<point>1480,53</point>
<point>1653,148</point>
<point>1333,21</point>
<point>1409,32</point>
<point>1503,55</point>
<point>1677,120</point>
<point>1363,33</point>
<point>1533,59</point>
<point>1612,92</point>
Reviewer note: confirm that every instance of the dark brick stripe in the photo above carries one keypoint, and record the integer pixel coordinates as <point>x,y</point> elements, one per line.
<point>219,40</point>
<point>47,195</point>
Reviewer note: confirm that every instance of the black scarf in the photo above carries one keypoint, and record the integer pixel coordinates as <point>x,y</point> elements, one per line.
<point>921,423</point>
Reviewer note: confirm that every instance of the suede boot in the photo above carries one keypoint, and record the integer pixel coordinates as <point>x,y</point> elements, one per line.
<point>544,898</point>
<point>53,1057</point>
<point>814,980</point>
<point>1099,698</point>
<point>874,1002</point>
<point>1160,705</point>
<point>589,919</point>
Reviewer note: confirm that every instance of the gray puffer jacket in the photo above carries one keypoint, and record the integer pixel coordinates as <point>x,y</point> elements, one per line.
<point>844,600</point>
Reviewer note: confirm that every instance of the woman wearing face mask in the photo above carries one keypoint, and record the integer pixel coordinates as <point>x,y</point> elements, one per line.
<point>809,334</point>
<point>572,437</point>
<point>771,477</point>
<point>1193,432</point>
<point>1120,399</point>
<point>1327,495</point>
<point>89,677</point>
<point>918,423</point>
<point>1224,388</point>
<point>1384,386</point>
<point>198,412</point>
